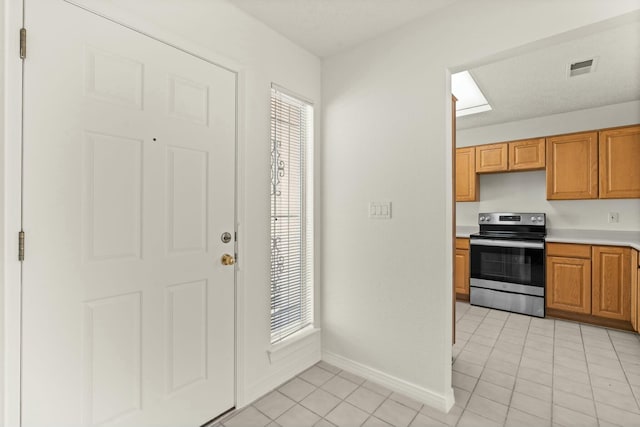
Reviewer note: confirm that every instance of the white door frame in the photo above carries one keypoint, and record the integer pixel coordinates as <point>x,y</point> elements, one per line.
<point>11,347</point>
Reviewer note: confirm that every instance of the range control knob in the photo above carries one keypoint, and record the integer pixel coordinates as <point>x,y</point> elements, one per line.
<point>539,218</point>
<point>481,218</point>
<point>533,218</point>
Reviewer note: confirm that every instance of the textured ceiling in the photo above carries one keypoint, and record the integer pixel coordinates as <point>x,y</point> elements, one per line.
<point>325,27</point>
<point>536,84</point>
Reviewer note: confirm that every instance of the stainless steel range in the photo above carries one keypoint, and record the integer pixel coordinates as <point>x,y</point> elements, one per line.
<point>508,262</point>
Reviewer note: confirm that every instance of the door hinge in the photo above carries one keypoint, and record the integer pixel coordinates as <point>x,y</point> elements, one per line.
<point>23,43</point>
<point>21,246</point>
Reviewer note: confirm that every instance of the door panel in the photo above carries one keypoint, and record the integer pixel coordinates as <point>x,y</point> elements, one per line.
<point>611,282</point>
<point>572,166</point>
<point>491,158</point>
<point>129,154</point>
<point>462,272</point>
<point>569,284</point>
<point>467,189</point>
<point>619,157</point>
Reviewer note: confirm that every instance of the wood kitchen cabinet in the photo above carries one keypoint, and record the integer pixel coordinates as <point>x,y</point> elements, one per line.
<point>611,282</point>
<point>569,277</point>
<point>572,166</point>
<point>635,290</point>
<point>462,269</point>
<point>492,158</point>
<point>467,183</point>
<point>619,163</point>
<point>528,154</point>
<point>593,284</point>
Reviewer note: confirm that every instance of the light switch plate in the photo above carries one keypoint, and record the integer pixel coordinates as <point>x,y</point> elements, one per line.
<point>380,210</point>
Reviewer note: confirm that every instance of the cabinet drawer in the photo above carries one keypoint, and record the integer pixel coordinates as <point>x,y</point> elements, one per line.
<point>462,243</point>
<point>569,250</point>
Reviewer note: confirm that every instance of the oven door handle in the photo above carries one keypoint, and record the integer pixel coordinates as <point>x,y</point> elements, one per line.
<point>507,243</point>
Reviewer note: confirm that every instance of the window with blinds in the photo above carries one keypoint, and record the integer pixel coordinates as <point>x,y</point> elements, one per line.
<point>291,215</point>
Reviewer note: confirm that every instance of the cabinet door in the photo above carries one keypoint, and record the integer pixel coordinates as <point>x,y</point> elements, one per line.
<point>491,158</point>
<point>569,284</point>
<point>466,178</point>
<point>527,155</point>
<point>462,272</point>
<point>572,166</point>
<point>634,290</point>
<point>611,282</point>
<point>620,163</point>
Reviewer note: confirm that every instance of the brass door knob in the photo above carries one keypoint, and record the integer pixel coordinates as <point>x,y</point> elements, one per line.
<point>227,259</point>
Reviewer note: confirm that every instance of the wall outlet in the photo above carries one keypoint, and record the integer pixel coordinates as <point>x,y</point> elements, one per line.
<point>614,217</point>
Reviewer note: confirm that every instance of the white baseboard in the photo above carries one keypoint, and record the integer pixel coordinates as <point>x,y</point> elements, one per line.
<point>442,402</point>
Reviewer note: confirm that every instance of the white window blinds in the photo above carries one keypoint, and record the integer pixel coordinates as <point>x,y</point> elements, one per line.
<point>291,215</point>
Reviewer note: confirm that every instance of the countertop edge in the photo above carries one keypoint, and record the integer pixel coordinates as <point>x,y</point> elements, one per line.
<point>585,237</point>
<point>593,241</point>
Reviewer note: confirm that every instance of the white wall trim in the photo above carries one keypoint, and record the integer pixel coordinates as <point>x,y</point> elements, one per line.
<point>442,402</point>
<point>307,353</point>
<point>12,223</point>
<point>292,344</point>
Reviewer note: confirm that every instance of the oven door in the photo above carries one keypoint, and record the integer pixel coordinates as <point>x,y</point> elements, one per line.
<point>508,261</point>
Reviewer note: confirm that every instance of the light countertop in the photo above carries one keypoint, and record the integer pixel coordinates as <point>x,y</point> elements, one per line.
<point>587,237</point>
<point>595,237</point>
<point>466,230</point>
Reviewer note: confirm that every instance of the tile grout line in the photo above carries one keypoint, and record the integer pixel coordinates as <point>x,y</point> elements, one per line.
<point>461,350</point>
<point>252,404</point>
<point>483,368</point>
<point>623,370</point>
<point>516,376</point>
<point>553,367</point>
<point>586,361</point>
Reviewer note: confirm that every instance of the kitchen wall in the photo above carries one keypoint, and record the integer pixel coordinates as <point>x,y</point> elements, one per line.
<point>387,283</point>
<point>526,191</point>
<point>221,32</point>
<point>2,139</point>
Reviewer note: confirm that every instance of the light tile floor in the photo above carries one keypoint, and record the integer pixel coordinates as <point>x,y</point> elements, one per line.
<point>509,370</point>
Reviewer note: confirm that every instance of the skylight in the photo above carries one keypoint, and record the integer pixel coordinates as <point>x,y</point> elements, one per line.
<point>470,98</point>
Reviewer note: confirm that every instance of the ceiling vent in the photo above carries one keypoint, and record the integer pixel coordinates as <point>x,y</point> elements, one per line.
<point>582,67</point>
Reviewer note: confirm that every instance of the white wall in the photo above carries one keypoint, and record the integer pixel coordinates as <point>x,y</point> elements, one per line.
<point>218,30</point>
<point>2,142</point>
<point>387,284</point>
<point>526,191</point>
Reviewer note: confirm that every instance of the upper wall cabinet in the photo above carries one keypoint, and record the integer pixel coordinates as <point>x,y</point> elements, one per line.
<point>619,163</point>
<point>491,158</point>
<point>572,166</point>
<point>528,154</point>
<point>467,189</point>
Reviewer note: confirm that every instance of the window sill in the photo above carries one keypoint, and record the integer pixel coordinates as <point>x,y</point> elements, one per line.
<point>292,344</point>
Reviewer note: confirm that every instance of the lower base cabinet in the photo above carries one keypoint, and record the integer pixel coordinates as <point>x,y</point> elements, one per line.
<point>462,269</point>
<point>593,284</point>
<point>635,290</point>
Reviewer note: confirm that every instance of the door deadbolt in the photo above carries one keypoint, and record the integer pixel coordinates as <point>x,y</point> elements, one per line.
<point>225,237</point>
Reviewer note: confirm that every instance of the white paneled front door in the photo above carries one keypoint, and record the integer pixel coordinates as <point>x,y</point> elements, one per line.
<point>129,183</point>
